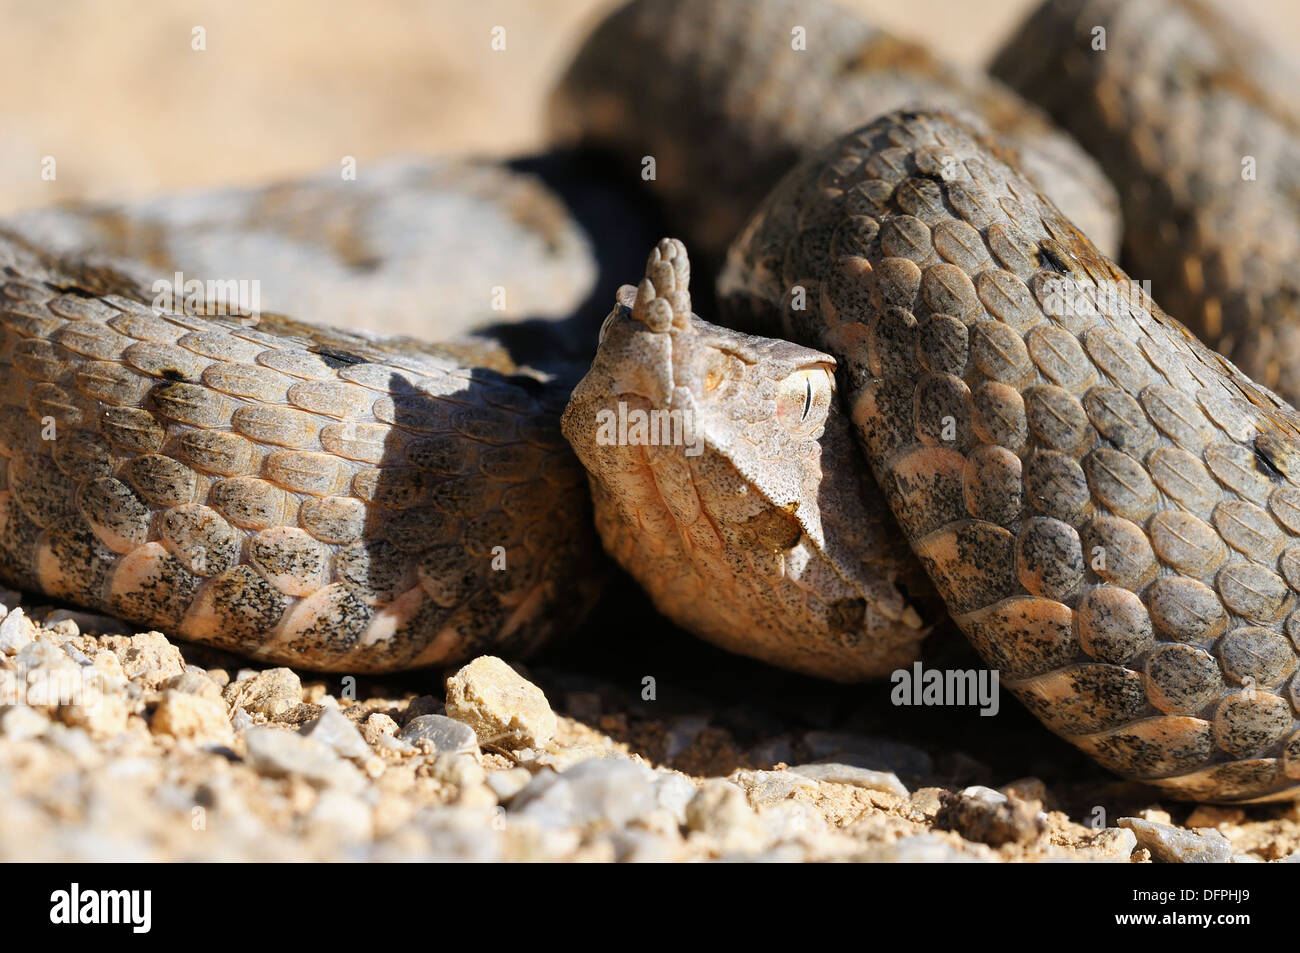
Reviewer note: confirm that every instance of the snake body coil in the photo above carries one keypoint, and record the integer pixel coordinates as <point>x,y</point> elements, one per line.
<point>1110,510</point>
<point>280,490</point>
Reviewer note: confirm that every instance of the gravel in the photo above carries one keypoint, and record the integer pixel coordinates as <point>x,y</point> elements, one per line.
<point>1176,845</point>
<point>165,751</point>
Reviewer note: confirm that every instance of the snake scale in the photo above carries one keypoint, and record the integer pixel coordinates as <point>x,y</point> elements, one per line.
<point>1108,509</point>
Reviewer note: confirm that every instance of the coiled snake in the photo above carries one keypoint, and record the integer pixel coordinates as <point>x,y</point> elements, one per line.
<point>1107,508</point>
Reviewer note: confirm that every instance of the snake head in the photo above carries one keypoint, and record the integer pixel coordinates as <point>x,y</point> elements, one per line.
<point>719,462</point>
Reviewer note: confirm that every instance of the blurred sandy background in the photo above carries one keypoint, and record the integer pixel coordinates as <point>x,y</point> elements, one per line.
<point>114,92</point>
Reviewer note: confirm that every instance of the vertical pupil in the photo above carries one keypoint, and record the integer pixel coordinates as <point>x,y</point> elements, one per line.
<point>807,399</point>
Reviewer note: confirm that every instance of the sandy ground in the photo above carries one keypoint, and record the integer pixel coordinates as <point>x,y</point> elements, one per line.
<point>126,106</point>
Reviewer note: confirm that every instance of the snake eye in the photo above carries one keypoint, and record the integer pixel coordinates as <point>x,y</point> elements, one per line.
<point>804,398</point>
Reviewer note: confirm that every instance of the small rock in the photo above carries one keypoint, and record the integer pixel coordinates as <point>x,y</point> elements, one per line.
<point>378,726</point>
<point>832,773</point>
<point>147,656</point>
<point>102,714</point>
<point>991,817</point>
<point>503,708</point>
<point>199,717</point>
<point>74,653</point>
<point>1176,845</point>
<point>19,722</point>
<point>278,753</point>
<point>771,787</point>
<point>790,820</point>
<point>333,729</point>
<point>422,705</point>
<point>926,802</point>
<point>439,734</point>
<point>1113,843</point>
<point>460,770</point>
<point>674,792</point>
<point>1027,789</point>
<point>506,784</point>
<point>986,794</point>
<point>269,693</point>
<point>721,810</point>
<point>193,683</point>
<point>610,791</point>
<point>15,632</point>
<point>1156,815</point>
<point>240,720</point>
<point>63,628</point>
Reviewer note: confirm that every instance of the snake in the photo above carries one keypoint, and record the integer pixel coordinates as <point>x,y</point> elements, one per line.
<point>930,394</point>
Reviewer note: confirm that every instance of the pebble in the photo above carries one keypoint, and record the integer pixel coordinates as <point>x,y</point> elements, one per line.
<point>1113,844</point>
<point>16,631</point>
<point>268,693</point>
<point>612,791</point>
<point>197,717</point>
<point>332,728</point>
<point>503,708</point>
<point>423,705</point>
<point>439,734</point>
<point>102,713</point>
<point>193,682</point>
<point>991,817</point>
<point>771,787</point>
<point>377,726</point>
<point>74,653</point>
<point>276,752</point>
<point>1175,845</point>
<point>986,794</point>
<point>148,657</point>
<point>721,810</point>
<point>506,784</point>
<point>1027,789</point>
<point>19,722</point>
<point>674,792</point>
<point>240,720</point>
<point>832,773</point>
